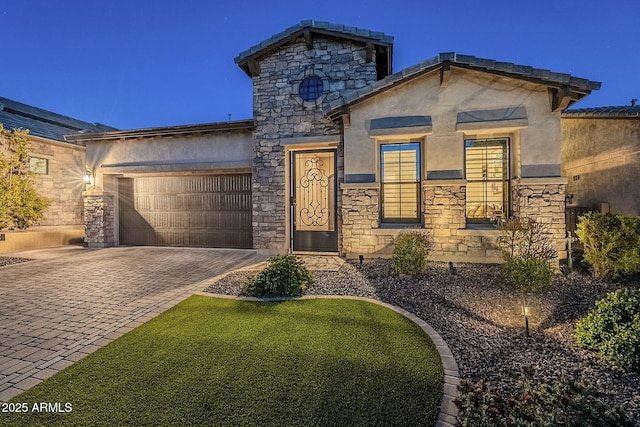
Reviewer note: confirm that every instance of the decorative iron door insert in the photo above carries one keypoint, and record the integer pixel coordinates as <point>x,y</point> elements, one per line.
<point>313,201</point>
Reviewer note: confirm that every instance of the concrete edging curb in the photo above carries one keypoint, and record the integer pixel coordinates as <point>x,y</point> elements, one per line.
<point>448,410</point>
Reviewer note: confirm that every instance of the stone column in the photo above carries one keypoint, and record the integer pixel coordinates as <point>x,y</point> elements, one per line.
<point>99,218</point>
<point>543,199</point>
<point>444,213</point>
<point>360,212</point>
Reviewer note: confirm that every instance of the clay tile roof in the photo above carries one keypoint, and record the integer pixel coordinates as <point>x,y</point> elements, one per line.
<point>43,123</point>
<point>613,112</point>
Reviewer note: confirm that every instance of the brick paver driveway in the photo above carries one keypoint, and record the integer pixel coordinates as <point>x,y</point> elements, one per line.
<point>55,311</point>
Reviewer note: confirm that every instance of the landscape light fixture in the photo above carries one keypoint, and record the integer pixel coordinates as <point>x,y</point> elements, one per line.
<point>526,311</point>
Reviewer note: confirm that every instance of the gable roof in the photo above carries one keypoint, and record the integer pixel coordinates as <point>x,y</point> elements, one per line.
<point>568,88</point>
<point>43,123</point>
<point>613,112</point>
<point>309,27</point>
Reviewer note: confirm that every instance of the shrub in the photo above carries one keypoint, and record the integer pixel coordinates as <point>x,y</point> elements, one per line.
<point>611,244</point>
<point>527,272</point>
<point>566,403</point>
<point>526,250</point>
<point>285,275</point>
<point>411,251</point>
<point>20,204</point>
<point>613,329</point>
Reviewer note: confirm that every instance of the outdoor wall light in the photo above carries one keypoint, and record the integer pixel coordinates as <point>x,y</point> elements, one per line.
<point>88,177</point>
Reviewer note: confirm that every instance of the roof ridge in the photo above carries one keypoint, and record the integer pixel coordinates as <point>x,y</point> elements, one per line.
<point>612,111</point>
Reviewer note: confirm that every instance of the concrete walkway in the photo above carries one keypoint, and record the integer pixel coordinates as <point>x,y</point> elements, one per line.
<point>70,301</point>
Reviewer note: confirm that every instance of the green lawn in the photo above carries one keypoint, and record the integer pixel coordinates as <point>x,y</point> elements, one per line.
<point>211,361</point>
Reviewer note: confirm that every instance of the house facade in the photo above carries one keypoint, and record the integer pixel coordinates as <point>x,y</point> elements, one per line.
<point>342,155</point>
<point>601,158</point>
<point>58,167</point>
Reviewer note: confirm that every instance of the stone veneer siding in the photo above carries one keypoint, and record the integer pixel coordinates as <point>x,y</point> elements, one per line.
<point>444,213</point>
<point>444,217</point>
<point>63,184</point>
<point>99,219</point>
<point>63,221</point>
<point>278,116</point>
<point>360,215</point>
<point>545,203</point>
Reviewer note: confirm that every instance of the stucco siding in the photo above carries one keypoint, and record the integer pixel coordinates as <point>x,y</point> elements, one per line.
<point>538,142</point>
<point>214,148</point>
<point>601,159</point>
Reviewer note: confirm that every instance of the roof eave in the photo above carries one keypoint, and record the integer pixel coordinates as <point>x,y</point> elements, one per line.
<point>253,54</point>
<point>610,113</point>
<point>237,125</point>
<point>574,88</point>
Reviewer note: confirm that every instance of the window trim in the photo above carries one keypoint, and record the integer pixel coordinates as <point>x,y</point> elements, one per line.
<point>417,183</point>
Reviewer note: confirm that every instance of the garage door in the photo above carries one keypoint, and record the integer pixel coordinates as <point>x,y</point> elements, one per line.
<point>203,211</point>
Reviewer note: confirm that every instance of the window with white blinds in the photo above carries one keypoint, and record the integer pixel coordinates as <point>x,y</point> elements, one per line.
<point>400,176</point>
<point>487,173</point>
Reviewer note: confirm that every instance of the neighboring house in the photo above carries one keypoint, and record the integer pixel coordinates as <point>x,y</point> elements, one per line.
<point>601,158</point>
<point>58,166</point>
<point>342,155</point>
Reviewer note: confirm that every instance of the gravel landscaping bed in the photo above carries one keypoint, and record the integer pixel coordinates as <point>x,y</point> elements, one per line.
<point>479,316</point>
<point>7,260</point>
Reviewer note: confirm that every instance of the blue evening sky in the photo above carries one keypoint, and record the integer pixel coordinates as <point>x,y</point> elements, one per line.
<point>148,63</point>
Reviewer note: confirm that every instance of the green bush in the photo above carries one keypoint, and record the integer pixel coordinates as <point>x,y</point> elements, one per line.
<point>285,275</point>
<point>411,251</point>
<point>613,329</point>
<point>20,204</point>
<point>566,403</point>
<point>526,249</point>
<point>529,273</point>
<point>611,244</point>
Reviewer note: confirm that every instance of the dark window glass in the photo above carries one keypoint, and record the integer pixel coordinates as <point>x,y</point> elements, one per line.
<point>311,88</point>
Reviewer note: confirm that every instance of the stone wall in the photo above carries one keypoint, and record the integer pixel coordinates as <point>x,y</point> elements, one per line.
<point>360,215</point>
<point>63,184</point>
<point>444,213</point>
<point>543,199</point>
<point>99,217</point>
<point>278,115</point>
<point>445,218</point>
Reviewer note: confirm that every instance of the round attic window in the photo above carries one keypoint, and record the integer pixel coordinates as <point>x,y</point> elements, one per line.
<point>311,88</point>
